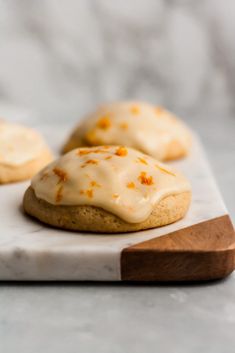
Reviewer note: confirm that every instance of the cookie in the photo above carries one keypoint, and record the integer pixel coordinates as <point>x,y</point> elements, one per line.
<point>147,128</point>
<point>108,189</point>
<point>23,153</point>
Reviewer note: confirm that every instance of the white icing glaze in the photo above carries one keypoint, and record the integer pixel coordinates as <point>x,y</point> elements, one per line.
<point>138,125</point>
<point>120,180</point>
<point>19,144</point>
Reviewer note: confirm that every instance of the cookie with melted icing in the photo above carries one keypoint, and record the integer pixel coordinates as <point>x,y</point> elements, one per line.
<point>107,189</point>
<point>23,152</point>
<point>147,128</point>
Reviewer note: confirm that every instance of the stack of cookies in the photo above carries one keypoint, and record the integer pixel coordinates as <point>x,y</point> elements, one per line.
<point>110,178</point>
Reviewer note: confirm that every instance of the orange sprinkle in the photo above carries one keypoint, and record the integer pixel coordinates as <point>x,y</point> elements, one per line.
<point>131,185</point>
<point>142,160</point>
<point>83,152</point>
<point>92,138</point>
<point>100,150</point>
<point>89,193</point>
<point>59,194</point>
<point>135,110</point>
<point>62,175</point>
<point>158,110</point>
<point>121,152</point>
<point>144,179</point>
<point>90,161</point>
<point>165,170</point>
<point>115,196</point>
<point>93,183</point>
<point>124,126</point>
<point>108,157</point>
<point>104,123</point>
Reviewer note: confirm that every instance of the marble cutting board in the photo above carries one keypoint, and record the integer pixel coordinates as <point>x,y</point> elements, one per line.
<point>199,247</point>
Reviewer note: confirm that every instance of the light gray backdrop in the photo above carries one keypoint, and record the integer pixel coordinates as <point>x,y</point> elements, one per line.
<point>60,58</point>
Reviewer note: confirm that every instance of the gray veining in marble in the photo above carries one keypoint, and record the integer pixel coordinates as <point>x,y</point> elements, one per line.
<point>59,58</point>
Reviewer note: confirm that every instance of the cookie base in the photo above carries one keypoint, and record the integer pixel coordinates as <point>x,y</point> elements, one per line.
<point>94,219</point>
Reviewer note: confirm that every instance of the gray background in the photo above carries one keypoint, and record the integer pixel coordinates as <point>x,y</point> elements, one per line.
<point>58,59</point>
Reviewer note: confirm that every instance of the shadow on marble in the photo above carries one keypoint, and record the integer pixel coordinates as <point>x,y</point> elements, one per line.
<point>102,284</point>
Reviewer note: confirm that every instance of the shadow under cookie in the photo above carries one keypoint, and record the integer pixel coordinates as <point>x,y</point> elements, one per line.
<point>95,219</point>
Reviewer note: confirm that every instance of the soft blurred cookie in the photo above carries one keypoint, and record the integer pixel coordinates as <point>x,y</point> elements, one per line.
<point>150,129</point>
<point>107,189</point>
<point>23,152</point>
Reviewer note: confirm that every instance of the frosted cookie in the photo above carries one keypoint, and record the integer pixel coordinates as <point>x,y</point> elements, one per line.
<point>107,189</point>
<point>23,152</point>
<point>150,129</point>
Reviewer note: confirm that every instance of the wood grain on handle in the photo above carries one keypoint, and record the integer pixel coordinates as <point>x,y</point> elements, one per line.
<point>204,251</point>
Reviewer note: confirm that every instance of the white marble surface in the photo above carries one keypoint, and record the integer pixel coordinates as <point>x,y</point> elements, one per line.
<point>32,251</point>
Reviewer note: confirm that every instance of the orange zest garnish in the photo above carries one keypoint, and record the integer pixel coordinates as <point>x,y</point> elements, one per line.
<point>104,123</point>
<point>62,175</point>
<point>145,180</point>
<point>115,196</point>
<point>108,157</point>
<point>92,139</point>
<point>93,183</point>
<point>121,151</point>
<point>165,170</point>
<point>90,161</point>
<point>101,149</point>
<point>88,192</point>
<point>135,110</point>
<point>124,126</point>
<point>142,160</point>
<point>59,194</point>
<point>83,152</point>
<point>131,185</point>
